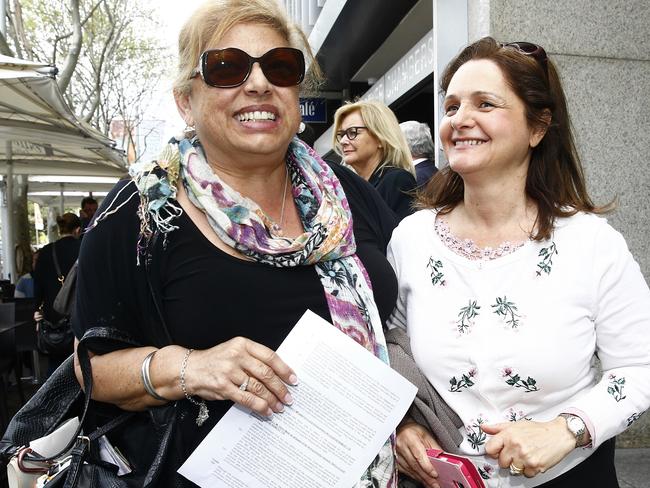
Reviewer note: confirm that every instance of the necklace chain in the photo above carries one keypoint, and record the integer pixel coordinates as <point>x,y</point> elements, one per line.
<point>284,195</point>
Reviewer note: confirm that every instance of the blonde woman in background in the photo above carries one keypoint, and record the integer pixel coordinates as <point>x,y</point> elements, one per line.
<point>368,138</point>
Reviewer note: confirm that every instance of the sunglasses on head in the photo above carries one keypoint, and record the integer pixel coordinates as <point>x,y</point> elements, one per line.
<point>530,49</point>
<point>230,67</point>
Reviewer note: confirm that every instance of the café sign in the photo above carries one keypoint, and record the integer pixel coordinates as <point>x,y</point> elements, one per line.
<point>313,110</point>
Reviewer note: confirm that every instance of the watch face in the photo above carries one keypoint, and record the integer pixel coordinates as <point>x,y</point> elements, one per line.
<point>576,425</point>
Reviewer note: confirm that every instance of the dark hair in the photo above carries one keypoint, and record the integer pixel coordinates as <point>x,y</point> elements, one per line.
<point>555,179</point>
<point>87,201</point>
<point>68,222</point>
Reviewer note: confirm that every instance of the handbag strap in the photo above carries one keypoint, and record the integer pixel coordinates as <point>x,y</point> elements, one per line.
<point>59,276</point>
<point>95,334</point>
<point>78,444</point>
<point>79,451</point>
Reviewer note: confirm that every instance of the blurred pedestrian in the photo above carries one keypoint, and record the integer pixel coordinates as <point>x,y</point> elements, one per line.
<point>87,212</point>
<point>25,284</point>
<point>54,262</point>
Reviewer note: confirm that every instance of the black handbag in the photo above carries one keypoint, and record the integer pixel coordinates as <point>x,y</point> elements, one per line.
<point>143,438</point>
<point>65,300</point>
<point>57,338</point>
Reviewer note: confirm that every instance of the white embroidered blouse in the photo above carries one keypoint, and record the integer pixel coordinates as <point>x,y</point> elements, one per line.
<point>514,337</point>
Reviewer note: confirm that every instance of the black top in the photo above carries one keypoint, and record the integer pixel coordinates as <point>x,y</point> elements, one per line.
<point>424,170</point>
<point>396,187</point>
<point>46,283</point>
<point>207,296</point>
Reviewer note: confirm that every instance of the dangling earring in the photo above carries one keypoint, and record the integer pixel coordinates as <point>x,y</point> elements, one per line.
<point>189,132</point>
<point>301,128</point>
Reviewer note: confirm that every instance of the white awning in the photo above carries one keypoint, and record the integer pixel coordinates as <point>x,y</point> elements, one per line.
<point>40,135</point>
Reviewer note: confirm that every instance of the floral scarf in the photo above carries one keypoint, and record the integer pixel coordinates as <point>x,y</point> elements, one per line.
<point>327,243</point>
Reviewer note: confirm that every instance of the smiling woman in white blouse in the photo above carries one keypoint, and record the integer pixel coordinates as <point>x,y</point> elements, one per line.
<point>510,284</point>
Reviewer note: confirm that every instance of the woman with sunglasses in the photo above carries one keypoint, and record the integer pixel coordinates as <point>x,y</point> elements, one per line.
<point>368,138</point>
<point>239,228</point>
<point>510,284</point>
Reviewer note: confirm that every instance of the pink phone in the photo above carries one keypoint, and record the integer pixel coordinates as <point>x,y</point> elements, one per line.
<point>455,471</point>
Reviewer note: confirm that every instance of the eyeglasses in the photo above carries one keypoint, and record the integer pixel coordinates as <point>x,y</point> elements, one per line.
<point>231,67</point>
<point>530,49</point>
<point>351,133</point>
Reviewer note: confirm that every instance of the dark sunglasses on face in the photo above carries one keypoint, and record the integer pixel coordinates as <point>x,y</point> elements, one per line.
<point>351,133</point>
<point>530,49</point>
<point>230,67</point>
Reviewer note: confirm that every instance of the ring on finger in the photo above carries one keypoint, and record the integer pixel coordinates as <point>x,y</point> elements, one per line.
<point>516,470</point>
<point>244,385</point>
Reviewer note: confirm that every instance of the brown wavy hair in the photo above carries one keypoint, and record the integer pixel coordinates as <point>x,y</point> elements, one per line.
<point>555,179</point>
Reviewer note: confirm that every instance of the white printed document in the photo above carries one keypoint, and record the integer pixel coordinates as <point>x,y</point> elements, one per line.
<point>346,405</point>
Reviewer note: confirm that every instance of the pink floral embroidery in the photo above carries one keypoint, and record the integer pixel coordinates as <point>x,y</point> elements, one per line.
<point>486,471</point>
<point>616,386</point>
<point>465,381</point>
<point>475,434</point>
<point>514,416</point>
<point>468,249</point>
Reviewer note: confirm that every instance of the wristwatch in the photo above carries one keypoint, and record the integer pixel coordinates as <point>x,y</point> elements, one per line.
<point>577,427</point>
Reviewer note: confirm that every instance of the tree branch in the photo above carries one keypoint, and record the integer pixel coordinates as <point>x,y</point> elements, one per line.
<point>75,48</point>
<point>4,47</point>
<point>83,23</point>
<point>19,27</point>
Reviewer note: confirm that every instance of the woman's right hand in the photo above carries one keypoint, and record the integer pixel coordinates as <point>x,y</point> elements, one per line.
<point>218,372</point>
<point>412,442</point>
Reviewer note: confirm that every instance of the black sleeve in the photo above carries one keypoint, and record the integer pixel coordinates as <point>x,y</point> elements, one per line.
<point>108,294</point>
<point>396,187</point>
<point>373,225</point>
<point>39,275</point>
<point>367,204</point>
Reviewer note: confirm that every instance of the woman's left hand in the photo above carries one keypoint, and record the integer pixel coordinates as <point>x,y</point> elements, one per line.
<point>412,442</point>
<point>533,446</point>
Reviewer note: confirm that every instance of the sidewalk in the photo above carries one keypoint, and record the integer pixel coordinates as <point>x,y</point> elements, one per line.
<point>633,467</point>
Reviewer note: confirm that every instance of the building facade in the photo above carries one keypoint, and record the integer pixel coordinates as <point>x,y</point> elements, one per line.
<point>394,50</point>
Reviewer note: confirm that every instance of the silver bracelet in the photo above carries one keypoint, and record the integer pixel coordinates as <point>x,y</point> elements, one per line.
<point>203,408</point>
<point>146,378</point>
